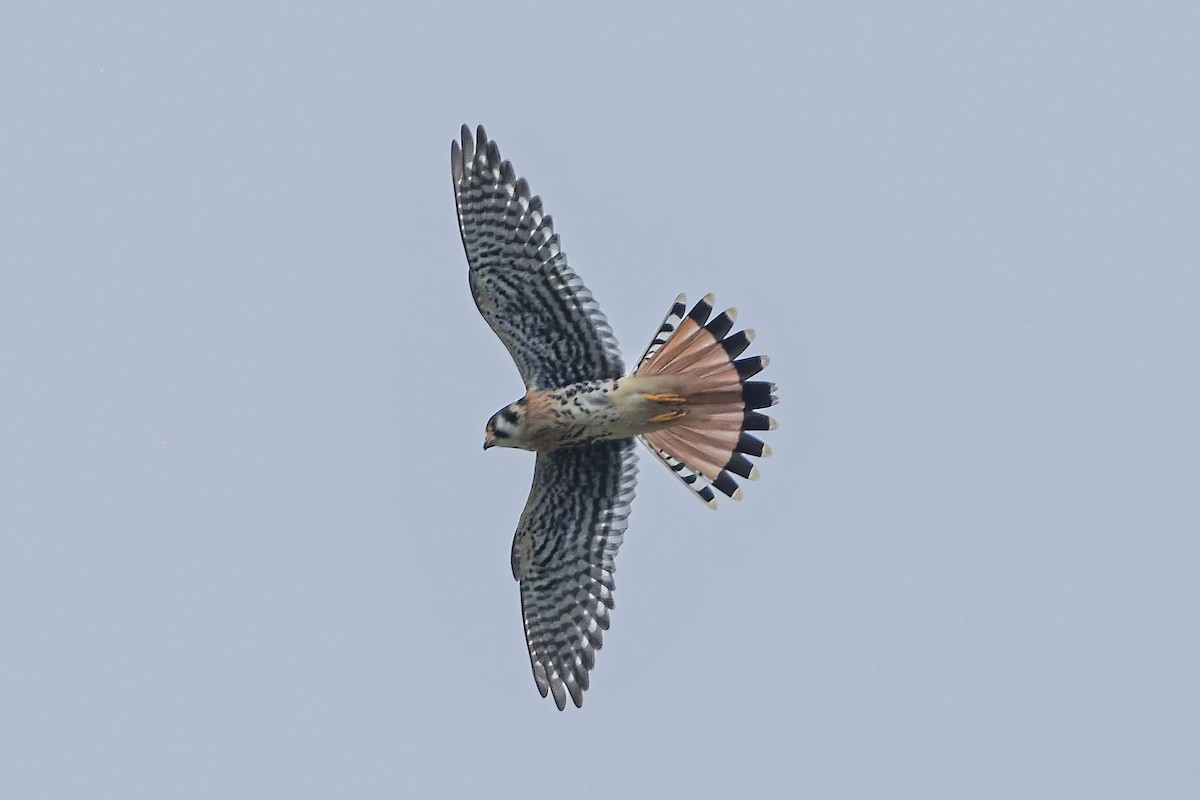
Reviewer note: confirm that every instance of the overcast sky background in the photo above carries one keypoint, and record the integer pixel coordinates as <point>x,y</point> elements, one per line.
<point>250,547</point>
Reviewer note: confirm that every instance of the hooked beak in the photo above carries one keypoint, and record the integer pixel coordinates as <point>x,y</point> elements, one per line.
<point>488,442</point>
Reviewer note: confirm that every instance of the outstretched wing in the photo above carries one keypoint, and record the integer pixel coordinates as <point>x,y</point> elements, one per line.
<point>522,285</point>
<point>563,555</point>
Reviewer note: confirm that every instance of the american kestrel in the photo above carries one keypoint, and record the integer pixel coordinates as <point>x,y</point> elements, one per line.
<point>690,400</point>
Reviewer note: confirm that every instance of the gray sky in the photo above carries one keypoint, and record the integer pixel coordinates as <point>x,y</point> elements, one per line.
<point>250,548</point>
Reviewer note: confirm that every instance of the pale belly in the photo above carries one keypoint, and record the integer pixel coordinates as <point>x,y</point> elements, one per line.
<point>616,408</point>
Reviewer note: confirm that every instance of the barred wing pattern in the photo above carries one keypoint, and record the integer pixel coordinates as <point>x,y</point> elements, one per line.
<point>563,555</point>
<point>519,275</point>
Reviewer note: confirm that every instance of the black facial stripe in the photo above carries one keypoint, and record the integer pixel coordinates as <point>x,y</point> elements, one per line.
<point>509,415</point>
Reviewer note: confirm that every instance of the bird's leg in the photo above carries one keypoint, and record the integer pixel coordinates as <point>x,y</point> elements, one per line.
<point>673,399</point>
<point>666,399</point>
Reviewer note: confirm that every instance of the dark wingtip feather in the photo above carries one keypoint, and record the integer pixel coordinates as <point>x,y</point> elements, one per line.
<point>462,153</point>
<point>540,676</point>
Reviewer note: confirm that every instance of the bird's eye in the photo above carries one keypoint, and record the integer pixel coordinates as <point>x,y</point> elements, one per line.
<point>509,415</point>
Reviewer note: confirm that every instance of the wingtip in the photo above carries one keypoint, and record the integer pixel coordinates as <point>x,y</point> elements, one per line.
<point>468,144</point>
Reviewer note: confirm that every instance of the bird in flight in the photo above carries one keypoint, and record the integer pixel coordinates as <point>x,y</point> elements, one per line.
<point>690,400</point>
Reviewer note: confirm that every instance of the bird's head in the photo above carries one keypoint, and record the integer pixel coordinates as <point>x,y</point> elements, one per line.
<point>506,428</point>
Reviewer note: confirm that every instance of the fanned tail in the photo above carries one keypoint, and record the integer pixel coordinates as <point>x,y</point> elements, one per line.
<point>711,443</point>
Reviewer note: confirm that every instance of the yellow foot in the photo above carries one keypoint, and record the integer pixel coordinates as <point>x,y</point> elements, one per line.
<point>665,398</point>
<point>670,416</point>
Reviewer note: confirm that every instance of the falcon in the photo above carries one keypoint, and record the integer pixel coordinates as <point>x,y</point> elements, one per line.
<point>690,400</point>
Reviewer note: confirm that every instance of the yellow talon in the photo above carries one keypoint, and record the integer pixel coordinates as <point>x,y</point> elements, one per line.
<point>670,416</point>
<point>664,398</point>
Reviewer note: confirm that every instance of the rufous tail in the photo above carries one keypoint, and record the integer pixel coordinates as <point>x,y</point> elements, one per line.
<point>711,443</point>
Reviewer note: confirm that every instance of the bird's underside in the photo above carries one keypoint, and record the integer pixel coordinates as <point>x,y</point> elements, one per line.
<point>590,411</point>
<point>690,400</point>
